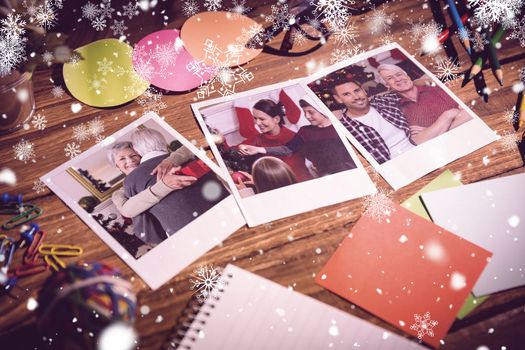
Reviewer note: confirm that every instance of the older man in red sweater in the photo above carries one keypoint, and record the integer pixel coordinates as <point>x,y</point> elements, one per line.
<point>429,110</point>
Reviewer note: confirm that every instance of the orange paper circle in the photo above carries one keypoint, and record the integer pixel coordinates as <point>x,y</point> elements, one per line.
<point>209,36</point>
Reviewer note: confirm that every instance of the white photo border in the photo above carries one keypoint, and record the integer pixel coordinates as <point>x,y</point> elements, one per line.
<point>301,197</point>
<point>178,251</point>
<point>429,156</point>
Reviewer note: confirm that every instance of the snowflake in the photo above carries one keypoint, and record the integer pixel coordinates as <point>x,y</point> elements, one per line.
<point>13,26</point>
<point>130,10</point>
<point>13,52</point>
<point>190,8</point>
<point>518,32</point>
<point>106,11</point>
<point>510,115</point>
<point>72,150</point>
<point>96,83</point>
<point>166,54</point>
<point>252,37</point>
<point>465,34</point>
<point>151,101</point>
<point>379,206</point>
<point>225,81</point>
<point>239,8</point>
<point>479,40</point>
<point>99,138</point>
<point>105,66</point>
<point>386,38</point>
<point>332,12</point>
<point>81,133</point>
<point>212,5</point>
<point>346,35</point>
<point>379,21</point>
<point>39,186</point>
<point>45,16</point>
<point>57,91</point>
<point>99,24</point>
<point>339,55</point>
<point>118,27</point>
<point>280,17</point>
<point>96,126</point>
<point>89,10</point>
<point>298,38</point>
<point>424,31</point>
<point>423,325</point>
<point>39,121</point>
<point>48,57</point>
<point>74,59</point>
<point>207,282</point>
<point>24,151</point>
<point>488,11</point>
<point>447,70</point>
<point>509,140</point>
<point>144,68</point>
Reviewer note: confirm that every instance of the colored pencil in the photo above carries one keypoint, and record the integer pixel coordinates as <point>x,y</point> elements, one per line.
<point>478,64</point>
<point>462,31</point>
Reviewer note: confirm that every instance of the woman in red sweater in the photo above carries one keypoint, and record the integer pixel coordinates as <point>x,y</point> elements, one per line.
<point>268,116</point>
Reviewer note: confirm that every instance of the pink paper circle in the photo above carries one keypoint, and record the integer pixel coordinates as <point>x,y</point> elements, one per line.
<point>161,59</point>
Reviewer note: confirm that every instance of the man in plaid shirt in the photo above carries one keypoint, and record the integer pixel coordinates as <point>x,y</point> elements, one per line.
<point>377,123</point>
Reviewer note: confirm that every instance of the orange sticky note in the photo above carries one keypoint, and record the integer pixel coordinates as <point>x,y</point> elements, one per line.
<point>405,270</point>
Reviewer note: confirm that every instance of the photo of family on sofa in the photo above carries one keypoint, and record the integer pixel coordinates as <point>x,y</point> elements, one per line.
<point>388,104</point>
<point>275,139</point>
<point>165,187</point>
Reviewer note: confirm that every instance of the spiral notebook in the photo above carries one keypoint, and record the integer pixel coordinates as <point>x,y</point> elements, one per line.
<point>255,313</point>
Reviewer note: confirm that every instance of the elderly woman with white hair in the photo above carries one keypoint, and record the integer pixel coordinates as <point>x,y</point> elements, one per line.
<point>177,208</point>
<point>429,110</point>
<point>123,156</point>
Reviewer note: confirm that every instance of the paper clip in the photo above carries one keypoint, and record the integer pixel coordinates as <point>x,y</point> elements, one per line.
<point>28,270</point>
<point>26,215</point>
<point>54,262</point>
<point>60,250</point>
<point>7,250</point>
<point>31,254</point>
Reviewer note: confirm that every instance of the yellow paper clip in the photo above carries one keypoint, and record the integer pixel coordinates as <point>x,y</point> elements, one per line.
<point>54,262</point>
<point>60,250</point>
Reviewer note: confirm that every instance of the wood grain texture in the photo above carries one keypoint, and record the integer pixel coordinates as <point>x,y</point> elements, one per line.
<point>284,251</point>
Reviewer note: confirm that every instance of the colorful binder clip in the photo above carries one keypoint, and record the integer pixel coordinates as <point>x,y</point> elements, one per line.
<point>28,213</point>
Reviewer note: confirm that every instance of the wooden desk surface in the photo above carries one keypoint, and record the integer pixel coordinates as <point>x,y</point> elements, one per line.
<point>266,249</point>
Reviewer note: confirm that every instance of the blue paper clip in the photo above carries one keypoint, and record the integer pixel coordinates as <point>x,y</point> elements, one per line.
<point>28,213</point>
<point>28,235</point>
<point>7,250</point>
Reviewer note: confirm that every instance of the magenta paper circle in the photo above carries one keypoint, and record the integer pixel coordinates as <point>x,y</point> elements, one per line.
<point>161,59</point>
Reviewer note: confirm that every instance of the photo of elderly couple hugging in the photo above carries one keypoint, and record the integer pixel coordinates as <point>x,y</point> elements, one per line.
<point>388,105</point>
<point>162,192</point>
<point>276,139</point>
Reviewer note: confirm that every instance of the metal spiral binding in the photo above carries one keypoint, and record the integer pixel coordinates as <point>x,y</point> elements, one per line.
<point>192,320</point>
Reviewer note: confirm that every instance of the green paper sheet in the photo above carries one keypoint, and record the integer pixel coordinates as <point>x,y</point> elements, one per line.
<point>415,205</point>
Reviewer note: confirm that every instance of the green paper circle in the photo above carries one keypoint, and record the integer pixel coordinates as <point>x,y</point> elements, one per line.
<point>102,74</point>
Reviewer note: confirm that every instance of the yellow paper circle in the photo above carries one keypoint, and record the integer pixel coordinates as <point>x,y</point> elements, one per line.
<point>101,74</point>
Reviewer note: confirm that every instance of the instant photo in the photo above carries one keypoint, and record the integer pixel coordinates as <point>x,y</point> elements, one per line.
<point>281,155</point>
<point>399,116</point>
<point>149,216</point>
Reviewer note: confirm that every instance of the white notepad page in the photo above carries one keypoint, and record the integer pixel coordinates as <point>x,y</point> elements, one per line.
<point>490,214</point>
<point>255,313</point>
